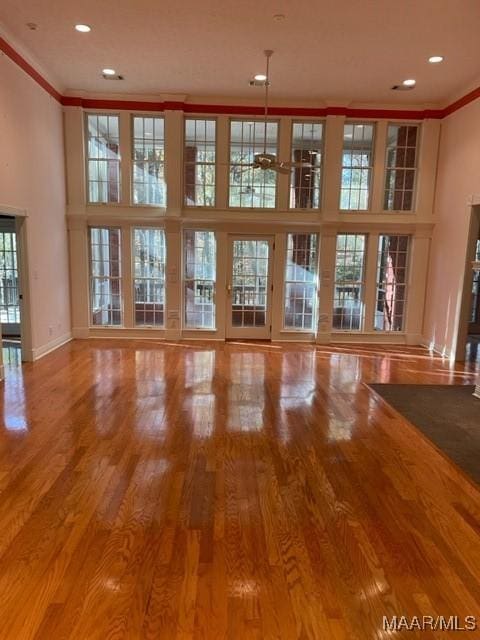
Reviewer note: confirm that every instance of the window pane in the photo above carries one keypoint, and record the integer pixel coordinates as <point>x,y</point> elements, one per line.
<point>301,282</point>
<point>251,187</point>
<point>392,266</point>
<point>103,158</point>
<point>105,276</point>
<point>305,182</point>
<point>401,167</point>
<point>348,308</point>
<point>199,157</point>
<point>199,279</point>
<point>149,257</point>
<point>148,166</point>
<point>9,293</point>
<point>357,165</point>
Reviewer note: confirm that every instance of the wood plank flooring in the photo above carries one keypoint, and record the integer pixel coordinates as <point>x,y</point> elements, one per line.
<point>227,491</point>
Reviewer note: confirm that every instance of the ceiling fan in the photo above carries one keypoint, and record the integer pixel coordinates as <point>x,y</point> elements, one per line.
<point>266,160</point>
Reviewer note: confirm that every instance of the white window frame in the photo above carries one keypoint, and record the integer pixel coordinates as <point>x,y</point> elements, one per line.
<point>404,284</point>
<point>313,330</point>
<point>91,278</point>
<point>87,160</point>
<point>415,168</point>
<point>185,163</point>
<point>320,166</point>
<point>184,280</point>
<point>261,122</point>
<point>370,166</point>
<point>361,283</point>
<point>134,277</point>
<point>133,160</point>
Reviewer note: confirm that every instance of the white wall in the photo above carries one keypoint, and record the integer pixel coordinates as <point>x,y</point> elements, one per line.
<point>458,182</point>
<point>32,177</point>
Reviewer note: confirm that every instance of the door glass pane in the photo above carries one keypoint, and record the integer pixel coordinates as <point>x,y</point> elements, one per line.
<point>9,301</point>
<point>249,283</point>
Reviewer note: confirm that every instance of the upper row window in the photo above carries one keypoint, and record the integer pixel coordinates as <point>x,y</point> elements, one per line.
<point>250,187</point>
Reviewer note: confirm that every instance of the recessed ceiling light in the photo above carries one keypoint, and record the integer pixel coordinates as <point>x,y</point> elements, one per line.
<point>108,72</point>
<point>409,83</point>
<point>261,77</point>
<point>435,59</point>
<point>83,28</point>
<point>279,17</point>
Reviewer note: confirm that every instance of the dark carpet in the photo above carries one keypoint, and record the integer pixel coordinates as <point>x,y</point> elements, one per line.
<point>447,415</point>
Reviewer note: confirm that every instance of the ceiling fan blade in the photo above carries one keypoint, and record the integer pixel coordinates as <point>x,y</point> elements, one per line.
<point>297,165</point>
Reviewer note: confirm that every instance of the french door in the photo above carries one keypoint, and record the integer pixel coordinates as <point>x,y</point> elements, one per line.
<point>249,287</point>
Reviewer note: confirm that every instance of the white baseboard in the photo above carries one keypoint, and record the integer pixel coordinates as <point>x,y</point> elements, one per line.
<point>39,352</point>
<point>436,348</point>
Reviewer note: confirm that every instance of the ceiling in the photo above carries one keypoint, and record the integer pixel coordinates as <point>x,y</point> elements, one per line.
<point>342,52</point>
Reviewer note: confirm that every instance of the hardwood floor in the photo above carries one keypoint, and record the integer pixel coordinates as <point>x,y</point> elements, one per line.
<point>238,491</point>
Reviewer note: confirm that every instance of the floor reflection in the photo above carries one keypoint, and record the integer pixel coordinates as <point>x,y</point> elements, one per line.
<point>246,393</point>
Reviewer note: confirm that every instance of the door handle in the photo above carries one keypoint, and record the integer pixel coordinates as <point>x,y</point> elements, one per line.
<point>229,289</point>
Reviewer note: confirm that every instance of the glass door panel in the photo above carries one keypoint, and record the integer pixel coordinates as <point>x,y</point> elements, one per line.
<point>249,287</point>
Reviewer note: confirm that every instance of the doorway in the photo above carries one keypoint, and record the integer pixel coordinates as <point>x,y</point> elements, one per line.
<point>249,287</point>
<point>10,296</point>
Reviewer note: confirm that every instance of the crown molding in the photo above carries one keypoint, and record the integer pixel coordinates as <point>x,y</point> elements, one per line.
<point>173,102</point>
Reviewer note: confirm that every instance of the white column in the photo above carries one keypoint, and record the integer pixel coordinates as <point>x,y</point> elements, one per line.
<point>427,168</point>
<point>127,276</point>
<point>417,282</point>
<point>279,259</point>
<point>223,153</point>
<point>79,275</point>
<point>370,292</point>
<point>328,247</point>
<point>378,176</point>
<point>332,166</point>
<point>125,158</point>
<point>284,146</point>
<point>75,158</point>
<point>173,285</point>
<point>174,161</point>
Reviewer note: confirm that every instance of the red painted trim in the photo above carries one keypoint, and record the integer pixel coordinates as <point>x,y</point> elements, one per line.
<point>246,110</point>
<point>27,67</point>
<point>461,102</point>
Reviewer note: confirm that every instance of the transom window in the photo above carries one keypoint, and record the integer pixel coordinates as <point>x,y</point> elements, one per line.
<point>348,307</point>
<point>392,265</point>
<point>301,281</point>
<point>149,257</point>
<point>199,279</point>
<point>357,166</point>
<point>305,182</point>
<point>251,187</point>
<point>105,276</point>
<point>401,167</point>
<point>148,165</point>
<point>199,156</point>
<point>103,160</point>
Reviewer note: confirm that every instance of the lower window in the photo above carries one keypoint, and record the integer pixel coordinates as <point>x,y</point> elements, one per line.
<point>149,254</point>
<point>301,282</point>
<point>348,307</point>
<point>105,276</point>
<point>199,279</point>
<point>391,282</point>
